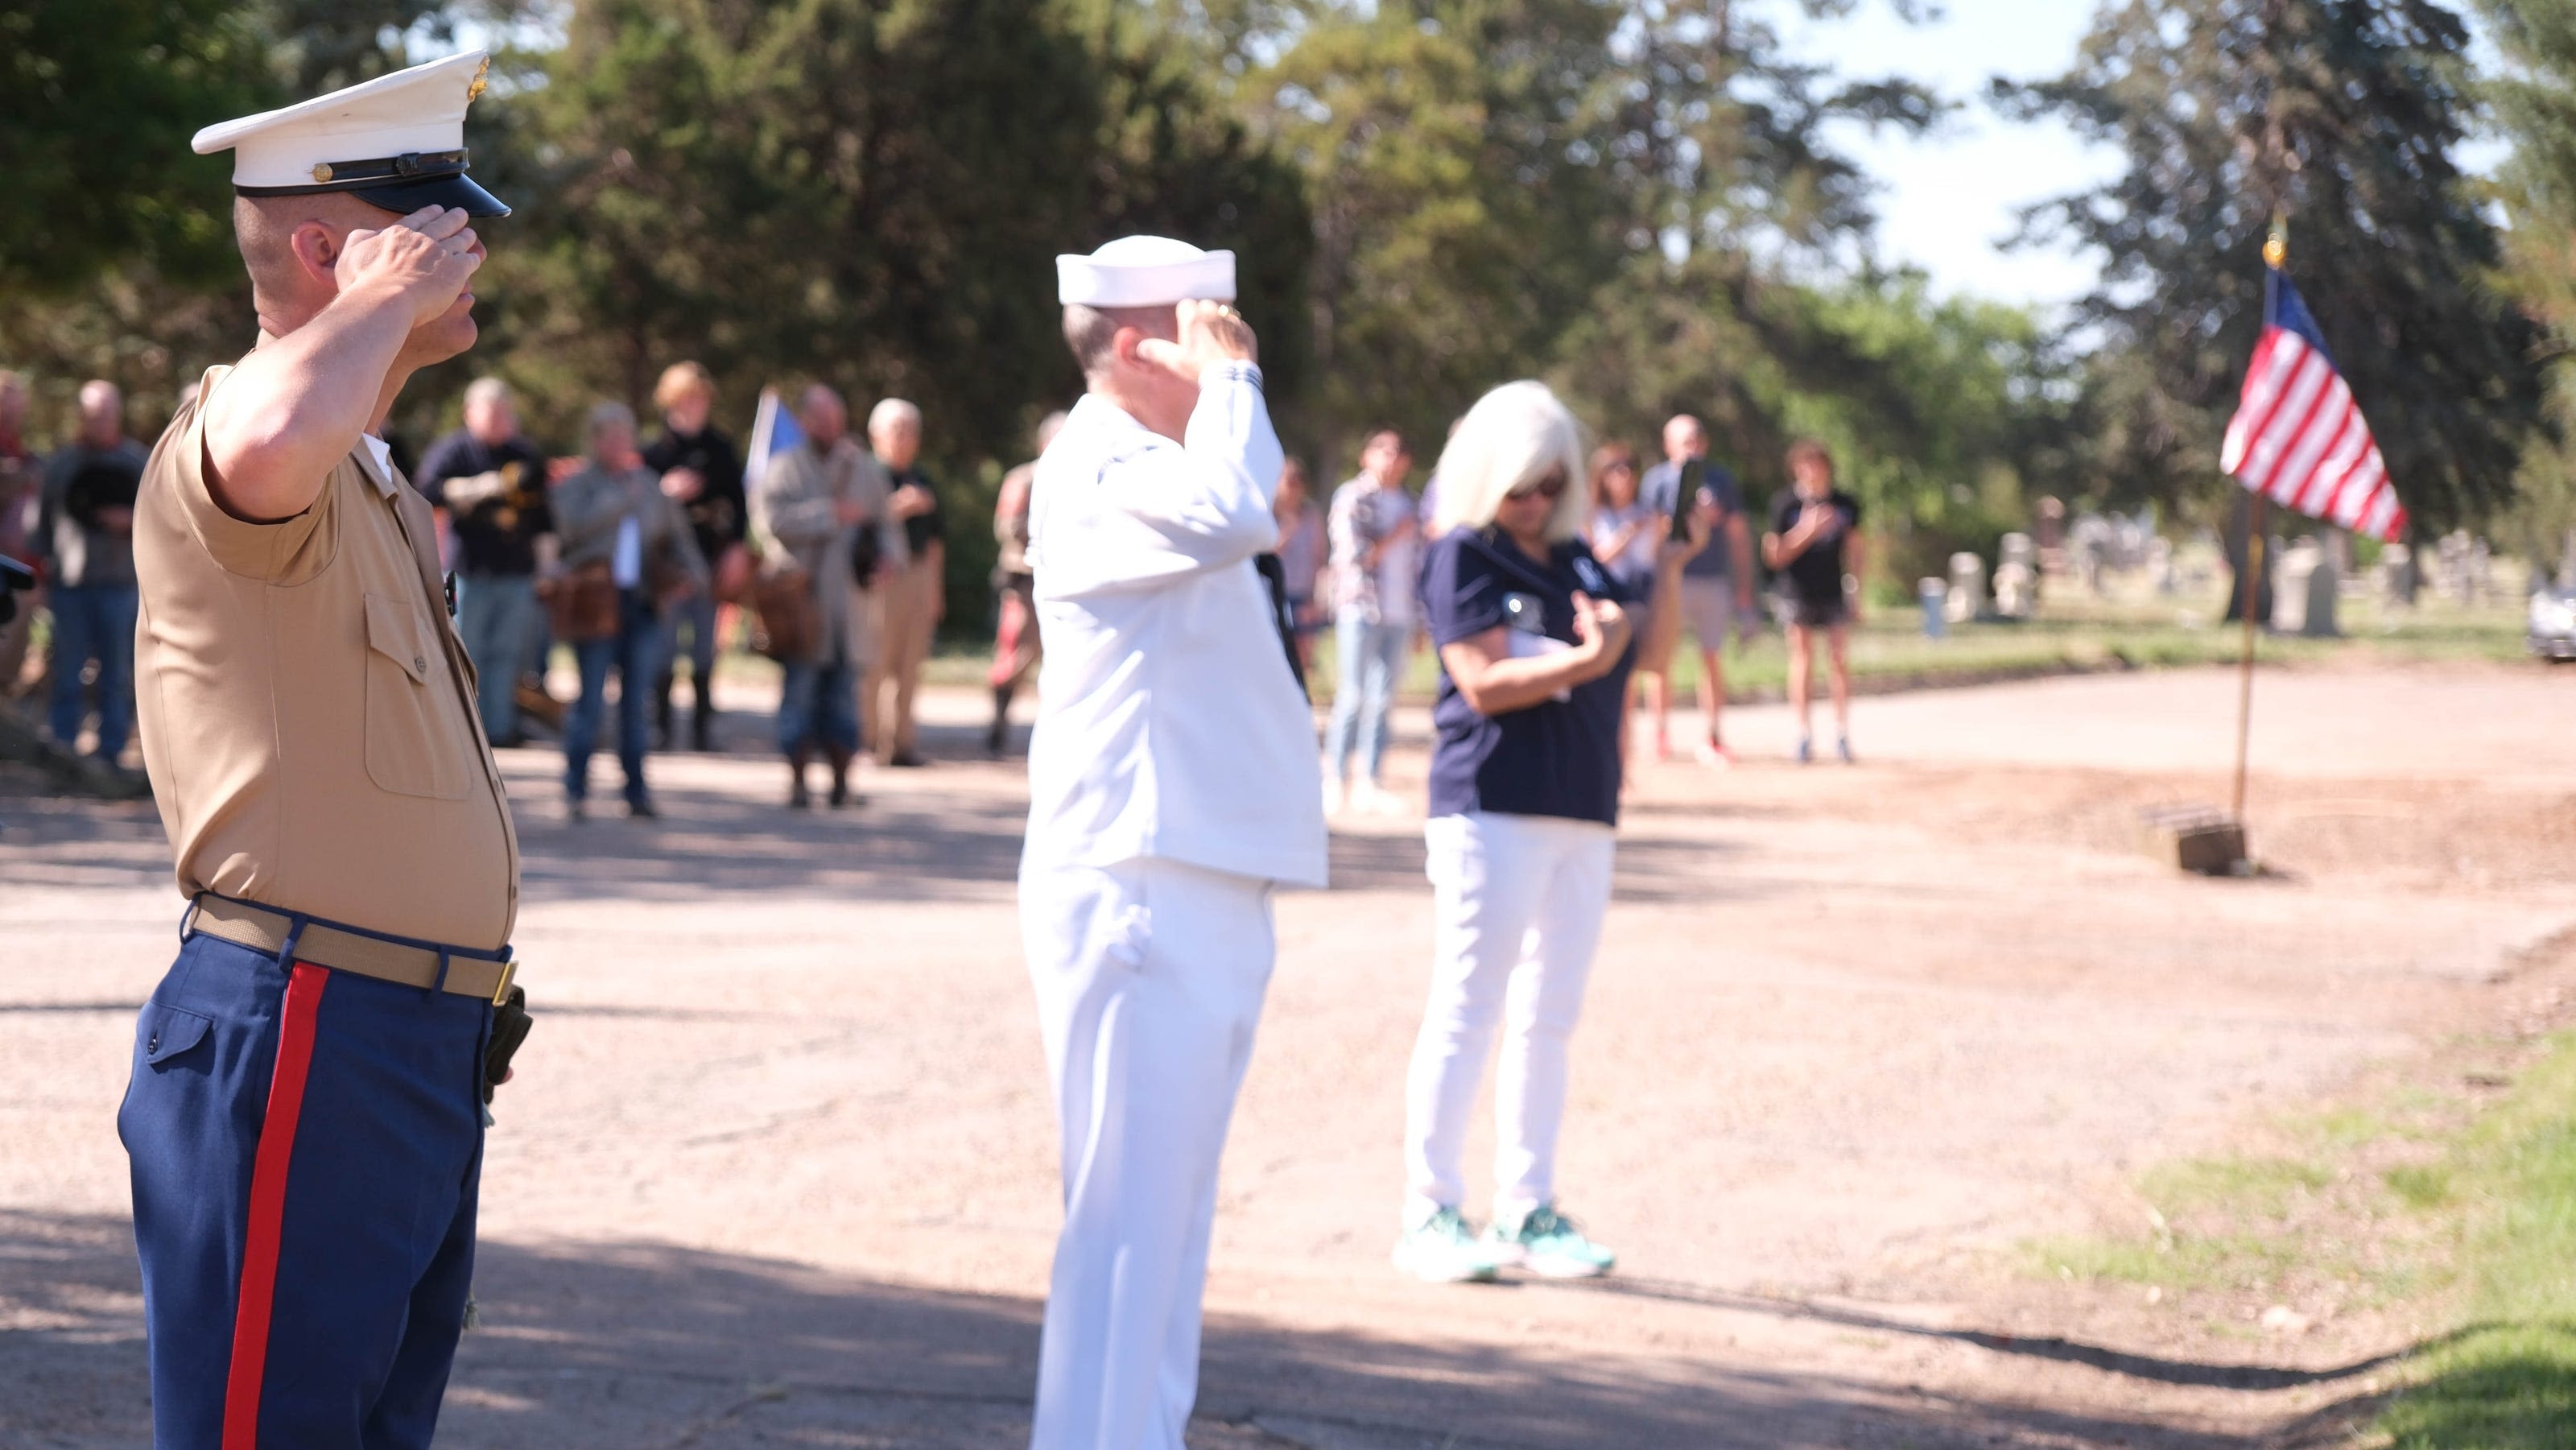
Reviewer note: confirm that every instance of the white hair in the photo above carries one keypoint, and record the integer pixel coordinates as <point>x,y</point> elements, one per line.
<point>1512,437</point>
<point>890,412</point>
<point>486,393</point>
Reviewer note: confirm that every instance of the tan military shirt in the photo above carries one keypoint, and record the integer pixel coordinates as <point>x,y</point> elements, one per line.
<point>307,711</point>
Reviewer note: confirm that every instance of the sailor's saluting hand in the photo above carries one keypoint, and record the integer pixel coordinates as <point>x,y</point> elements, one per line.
<point>424,260</point>
<point>1212,333</point>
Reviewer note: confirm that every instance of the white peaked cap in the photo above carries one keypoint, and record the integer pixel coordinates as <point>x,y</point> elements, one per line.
<point>1144,272</point>
<point>397,141</point>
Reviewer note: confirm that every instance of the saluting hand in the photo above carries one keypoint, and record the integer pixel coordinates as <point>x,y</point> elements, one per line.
<point>1211,333</point>
<point>423,261</point>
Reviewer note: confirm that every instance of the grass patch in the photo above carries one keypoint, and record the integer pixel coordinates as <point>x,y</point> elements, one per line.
<point>2260,1186</point>
<point>2508,1380</point>
<point>2419,1186</point>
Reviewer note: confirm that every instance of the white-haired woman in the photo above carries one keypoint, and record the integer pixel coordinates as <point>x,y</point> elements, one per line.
<point>1534,656</point>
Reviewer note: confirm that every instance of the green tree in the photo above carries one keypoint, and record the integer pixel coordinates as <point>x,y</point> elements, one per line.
<point>2346,115</point>
<point>865,194</point>
<point>2534,101</point>
<point>1488,175</point>
<point>1946,417</point>
<point>97,103</point>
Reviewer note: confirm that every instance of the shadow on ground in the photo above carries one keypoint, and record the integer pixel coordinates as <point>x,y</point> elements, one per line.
<point>632,1345</point>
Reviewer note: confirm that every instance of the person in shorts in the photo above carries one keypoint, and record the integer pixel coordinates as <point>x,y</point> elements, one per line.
<point>1717,588</point>
<point>1813,545</point>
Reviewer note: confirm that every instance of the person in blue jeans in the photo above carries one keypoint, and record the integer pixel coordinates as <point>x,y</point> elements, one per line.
<point>492,482</point>
<point>615,513</point>
<point>1375,537</point>
<point>86,530</point>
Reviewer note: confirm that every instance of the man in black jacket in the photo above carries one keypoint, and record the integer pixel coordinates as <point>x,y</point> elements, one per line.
<point>492,482</point>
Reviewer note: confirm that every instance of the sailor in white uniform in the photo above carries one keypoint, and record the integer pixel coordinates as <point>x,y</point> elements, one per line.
<point>1173,782</point>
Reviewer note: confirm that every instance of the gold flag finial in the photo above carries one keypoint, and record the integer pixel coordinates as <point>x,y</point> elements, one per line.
<point>2276,247</point>
<point>474,88</point>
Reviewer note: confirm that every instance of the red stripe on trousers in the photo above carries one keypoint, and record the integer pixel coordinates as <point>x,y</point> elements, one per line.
<point>268,1204</point>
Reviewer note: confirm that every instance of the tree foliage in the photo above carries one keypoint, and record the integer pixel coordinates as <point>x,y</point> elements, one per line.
<point>2534,103</point>
<point>2345,115</point>
<point>97,103</point>
<point>865,194</point>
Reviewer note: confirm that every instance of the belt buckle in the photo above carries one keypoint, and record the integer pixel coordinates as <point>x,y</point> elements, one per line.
<point>501,991</point>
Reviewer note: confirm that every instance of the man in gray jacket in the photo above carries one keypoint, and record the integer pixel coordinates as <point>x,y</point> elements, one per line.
<point>614,514</point>
<point>821,508</point>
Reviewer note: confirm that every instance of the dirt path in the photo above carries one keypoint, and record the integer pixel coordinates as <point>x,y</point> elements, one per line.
<point>778,1171</point>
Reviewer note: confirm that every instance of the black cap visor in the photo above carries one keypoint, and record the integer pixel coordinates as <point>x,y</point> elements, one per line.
<point>402,198</point>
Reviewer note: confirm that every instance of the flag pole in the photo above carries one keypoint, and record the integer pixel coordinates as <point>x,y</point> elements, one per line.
<point>2276,251</point>
<point>2251,591</point>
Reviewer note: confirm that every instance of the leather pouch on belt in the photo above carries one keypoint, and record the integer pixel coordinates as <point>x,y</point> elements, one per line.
<point>510,1024</point>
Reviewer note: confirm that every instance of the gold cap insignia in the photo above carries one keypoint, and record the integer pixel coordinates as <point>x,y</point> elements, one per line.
<point>321,171</point>
<point>474,88</point>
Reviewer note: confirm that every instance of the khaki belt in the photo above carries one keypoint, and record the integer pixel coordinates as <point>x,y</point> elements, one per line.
<point>345,949</point>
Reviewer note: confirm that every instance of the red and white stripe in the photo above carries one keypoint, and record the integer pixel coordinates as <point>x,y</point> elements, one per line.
<point>2299,439</point>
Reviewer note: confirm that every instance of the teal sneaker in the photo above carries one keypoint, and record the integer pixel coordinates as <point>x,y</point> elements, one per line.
<point>1442,1249</point>
<point>1547,1243</point>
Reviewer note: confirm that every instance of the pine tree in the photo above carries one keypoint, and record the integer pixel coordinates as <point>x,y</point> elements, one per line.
<point>2534,103</point>
<point>2346,115</point>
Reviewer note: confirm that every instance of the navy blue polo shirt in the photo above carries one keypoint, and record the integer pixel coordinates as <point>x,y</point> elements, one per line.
<point>1554,758</point>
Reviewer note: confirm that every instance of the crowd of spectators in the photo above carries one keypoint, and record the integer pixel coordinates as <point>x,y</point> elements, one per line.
<point>648,558</point>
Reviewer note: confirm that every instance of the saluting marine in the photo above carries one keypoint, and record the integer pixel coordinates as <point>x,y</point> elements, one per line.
<point>305,1120</point>
<point>1172,782</point>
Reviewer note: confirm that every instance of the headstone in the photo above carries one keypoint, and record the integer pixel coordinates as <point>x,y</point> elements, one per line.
<point>2397,576</point>
<point>1967,596</point>
<point>2016,579</point>
<point>1935,598</point>
<point>2299,562</point>
<point>2160,565</point>
<point>2051,525</point>
<point>2324,588</point>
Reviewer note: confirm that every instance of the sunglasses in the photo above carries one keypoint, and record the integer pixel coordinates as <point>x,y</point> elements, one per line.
<point>1550,486</point>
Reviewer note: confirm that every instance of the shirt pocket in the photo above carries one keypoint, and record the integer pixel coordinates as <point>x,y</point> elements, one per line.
<point>411,741</point>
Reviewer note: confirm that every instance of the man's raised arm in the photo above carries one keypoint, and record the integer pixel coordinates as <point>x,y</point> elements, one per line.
<point>282,419</point>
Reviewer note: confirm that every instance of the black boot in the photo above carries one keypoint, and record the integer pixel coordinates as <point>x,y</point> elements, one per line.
<point>662,713</point>
<point>702,723</point>
<point>841,778</point>
<point>798,798</point>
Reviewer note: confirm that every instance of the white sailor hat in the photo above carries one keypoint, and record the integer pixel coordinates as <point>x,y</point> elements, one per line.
<point>397,142</point>
<point>1144,272</point>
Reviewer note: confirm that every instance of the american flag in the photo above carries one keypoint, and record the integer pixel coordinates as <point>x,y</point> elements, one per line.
<point>2297,437</point>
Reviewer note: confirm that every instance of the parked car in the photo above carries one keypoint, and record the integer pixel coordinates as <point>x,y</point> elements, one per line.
<point>2553,622</point>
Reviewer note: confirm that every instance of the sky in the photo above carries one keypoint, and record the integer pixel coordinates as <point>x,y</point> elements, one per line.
<point>1949,198</point>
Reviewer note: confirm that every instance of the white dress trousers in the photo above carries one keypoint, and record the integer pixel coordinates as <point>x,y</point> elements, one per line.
<point>1517,908</point>
<point>1149,977</point>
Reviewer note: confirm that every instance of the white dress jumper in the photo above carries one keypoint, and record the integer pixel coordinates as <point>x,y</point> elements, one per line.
<point>1173,783</point>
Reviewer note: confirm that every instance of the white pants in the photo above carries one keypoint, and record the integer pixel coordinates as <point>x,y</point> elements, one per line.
<point>1149,979</point>
<point>1517,903</point>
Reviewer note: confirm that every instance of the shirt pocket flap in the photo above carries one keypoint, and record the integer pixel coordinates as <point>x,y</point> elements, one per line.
<point>169,1031</point>
<point>394,632</point>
